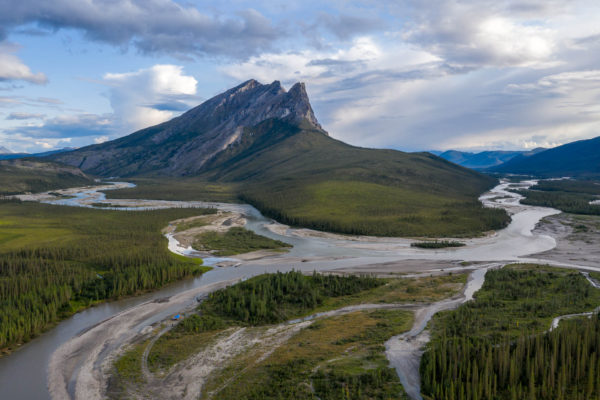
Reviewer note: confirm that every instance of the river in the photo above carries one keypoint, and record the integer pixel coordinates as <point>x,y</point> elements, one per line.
<point>24,374</point>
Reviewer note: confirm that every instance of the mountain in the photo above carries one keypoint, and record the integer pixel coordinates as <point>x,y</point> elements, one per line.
<point>183,145</point>
<point>18,176</point>
<point>576,159</point>
<point>484,159</point>
<point>264,144</point>
<point>4,150</point>
<point>13,156</point>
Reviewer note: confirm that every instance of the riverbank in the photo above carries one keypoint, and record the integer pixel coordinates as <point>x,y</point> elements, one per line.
<point>308,254</point>
<point>369,316</point>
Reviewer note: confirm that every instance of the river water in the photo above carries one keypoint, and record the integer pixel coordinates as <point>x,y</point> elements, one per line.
<point>23,374</point>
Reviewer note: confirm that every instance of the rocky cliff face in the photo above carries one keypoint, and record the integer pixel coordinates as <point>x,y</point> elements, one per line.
<point>183,145</point>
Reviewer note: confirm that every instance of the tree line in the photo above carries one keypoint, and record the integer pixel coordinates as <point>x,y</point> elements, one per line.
<point>495,347</point>
<point>102,255</point>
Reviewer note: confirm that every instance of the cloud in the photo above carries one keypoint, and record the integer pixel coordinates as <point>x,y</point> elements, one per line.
<point>24,116</point>
<point>151,26</point>
<point>66,127</point>
<point>149,96</point>
<point>482,33</point>
<point>345,26</point>
<point>13,69</point>
<point>101,139</point>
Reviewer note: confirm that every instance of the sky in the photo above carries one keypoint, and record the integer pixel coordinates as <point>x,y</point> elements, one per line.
<point>406,74</point>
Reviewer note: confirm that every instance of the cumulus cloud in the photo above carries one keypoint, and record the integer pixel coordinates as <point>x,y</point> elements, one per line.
<point>481,33</point>
<point>149,96</point>
<point>12,67</point>
<point>152,26</point>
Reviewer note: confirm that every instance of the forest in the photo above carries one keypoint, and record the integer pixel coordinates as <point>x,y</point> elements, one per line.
<point>57,260</point>
<point>571,196</point>
<point>495,346</point>
<point>273,298</point>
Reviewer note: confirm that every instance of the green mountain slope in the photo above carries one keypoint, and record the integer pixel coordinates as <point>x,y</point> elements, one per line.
<point>577,159</point>
<point>298,175</point>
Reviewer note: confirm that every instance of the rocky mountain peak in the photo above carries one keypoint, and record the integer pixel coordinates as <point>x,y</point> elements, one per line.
<point>252,102</point>
<point>187,142</point>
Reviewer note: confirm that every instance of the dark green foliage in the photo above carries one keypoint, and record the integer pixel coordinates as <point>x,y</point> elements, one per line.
<point>97,254</point>
<point>236,240</point>
<point>196,323</point>
<point>569,196</point>
<point>288,381</point>
<point>437,244</point>
<point>569,185</point>
<point>493,347</point>
<point>279,297</point>
<point>562,364</point>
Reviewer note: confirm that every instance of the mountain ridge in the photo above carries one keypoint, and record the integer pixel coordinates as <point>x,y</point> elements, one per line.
<point>577,159</point>
<point>182,145</point>
<point>484,159</point>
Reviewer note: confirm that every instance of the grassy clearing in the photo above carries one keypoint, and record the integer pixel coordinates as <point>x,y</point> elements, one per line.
<point>235,240</point>
<point>177,345</point>
<point>127,373</point>
<point>334,358</point>
<point>197,222</point>
<point>490,347</point>
<point>56,260</point>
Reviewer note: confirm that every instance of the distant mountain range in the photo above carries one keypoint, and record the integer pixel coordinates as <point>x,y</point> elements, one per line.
<point>266,143</point>
<point>485,159</point>
<point>9,155</point>
<point>575,159</point>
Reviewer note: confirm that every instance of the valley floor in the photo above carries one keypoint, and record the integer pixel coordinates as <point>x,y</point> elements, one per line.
<point>81,366</point>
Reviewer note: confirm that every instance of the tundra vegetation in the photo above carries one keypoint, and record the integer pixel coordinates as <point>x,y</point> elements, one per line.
<point>498,347</point>
<point>56,260</point>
